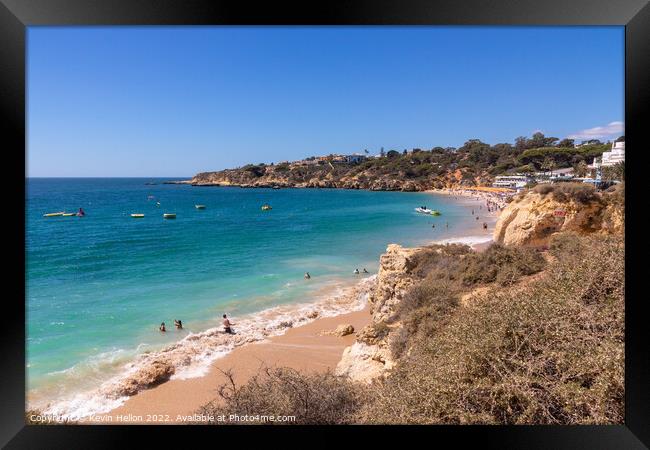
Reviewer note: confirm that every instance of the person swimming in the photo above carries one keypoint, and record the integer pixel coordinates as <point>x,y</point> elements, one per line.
<point>227,325</point>
<point>307,276</point>
<point>81,213</point>
<point>162,327</point>
<point>178,324</point>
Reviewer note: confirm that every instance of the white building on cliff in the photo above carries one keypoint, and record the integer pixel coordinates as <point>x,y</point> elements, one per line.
<point>610,158</point>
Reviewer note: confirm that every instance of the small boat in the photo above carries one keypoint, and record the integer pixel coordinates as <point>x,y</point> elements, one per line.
<point>169,215</point>
<point>199,206</point>
<point>137,216</point>
<point>56,214</point>
<point>266,207</point>
<point>425,210</point>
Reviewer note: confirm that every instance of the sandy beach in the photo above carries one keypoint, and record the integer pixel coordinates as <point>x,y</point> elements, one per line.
<point>303,348</point>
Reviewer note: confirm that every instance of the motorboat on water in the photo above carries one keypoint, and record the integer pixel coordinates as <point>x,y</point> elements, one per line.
<point>199,206</point>
<point>266,207</point>
<point>137,216</point>
<point>425,210</point>
<point>169,215</point>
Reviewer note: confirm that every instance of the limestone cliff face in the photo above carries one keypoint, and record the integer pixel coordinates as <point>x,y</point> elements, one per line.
<point>370,356</point>
<point>532,219</point>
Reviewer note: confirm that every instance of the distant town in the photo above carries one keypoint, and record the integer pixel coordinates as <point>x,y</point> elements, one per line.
<point>608,159</point>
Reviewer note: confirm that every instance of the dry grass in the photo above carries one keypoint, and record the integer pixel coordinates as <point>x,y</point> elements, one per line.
<point>550,352</point>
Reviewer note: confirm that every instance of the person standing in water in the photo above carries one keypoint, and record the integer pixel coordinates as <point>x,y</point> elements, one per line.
<point>227,325</point>
<point>162,327</point>
<point>356,271</point>
<point>307,276</point>
<point>178,324</point>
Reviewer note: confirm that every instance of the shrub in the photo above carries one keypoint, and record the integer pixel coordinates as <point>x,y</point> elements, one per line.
<point>562,192</point>
<point>437,257</point>
<point>320,398</point>
<point>502,264</point>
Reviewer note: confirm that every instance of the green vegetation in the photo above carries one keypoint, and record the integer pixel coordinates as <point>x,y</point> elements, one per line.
<point>475,162</point>
<point>547,349</point>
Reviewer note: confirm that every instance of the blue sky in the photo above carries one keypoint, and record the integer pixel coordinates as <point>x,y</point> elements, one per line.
<point>174,101</point>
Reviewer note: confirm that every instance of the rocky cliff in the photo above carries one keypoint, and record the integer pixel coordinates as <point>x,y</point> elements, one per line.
<point>536,215</point>
<point>370,356</point>
<point>404,173</point>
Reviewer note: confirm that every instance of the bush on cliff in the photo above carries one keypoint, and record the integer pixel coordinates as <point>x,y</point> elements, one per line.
<point>548,352</point>
<point>563,192</point>
<point>504,265</point>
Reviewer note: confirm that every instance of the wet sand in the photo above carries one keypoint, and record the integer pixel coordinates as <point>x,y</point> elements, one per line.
<point>302,348</point>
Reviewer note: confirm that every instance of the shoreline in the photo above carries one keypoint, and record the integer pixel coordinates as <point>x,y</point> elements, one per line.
<point>142,391</point>
<point>302,348</point>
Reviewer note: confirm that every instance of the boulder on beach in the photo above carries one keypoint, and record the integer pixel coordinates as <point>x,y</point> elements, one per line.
<point>340,331</point>
<point>155,373</point>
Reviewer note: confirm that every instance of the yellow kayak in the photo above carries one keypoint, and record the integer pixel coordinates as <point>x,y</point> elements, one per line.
<point>137,216</point>
<point>56,214</point>
<point>68,214</point>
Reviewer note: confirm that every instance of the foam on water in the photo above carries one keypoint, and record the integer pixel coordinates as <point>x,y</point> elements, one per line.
<point>192,356</point>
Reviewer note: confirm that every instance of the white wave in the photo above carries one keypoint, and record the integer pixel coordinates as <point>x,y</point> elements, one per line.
<point>192,356</point>
<point>468,240</point>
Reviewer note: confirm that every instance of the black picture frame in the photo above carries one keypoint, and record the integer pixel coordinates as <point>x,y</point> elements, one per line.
<point>16,15</point>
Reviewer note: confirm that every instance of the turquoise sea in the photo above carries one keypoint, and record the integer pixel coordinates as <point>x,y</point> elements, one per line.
<point>98,286</point>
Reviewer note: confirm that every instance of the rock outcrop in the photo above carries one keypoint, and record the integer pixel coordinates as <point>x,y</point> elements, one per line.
<point>340,331</point>
<point>372,176</point>
<point>533,218</point>
<point>393,279</point>
<point>370,355</point>
<point>151,375</point>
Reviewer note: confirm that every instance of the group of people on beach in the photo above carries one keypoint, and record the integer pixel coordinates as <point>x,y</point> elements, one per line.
<point>495,201</point>
<point>227,325</point>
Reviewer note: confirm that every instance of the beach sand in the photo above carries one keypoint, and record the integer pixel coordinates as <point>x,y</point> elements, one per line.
<point>302,348</point>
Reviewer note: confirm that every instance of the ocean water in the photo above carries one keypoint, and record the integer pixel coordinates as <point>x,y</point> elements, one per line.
<point>98,286</point>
